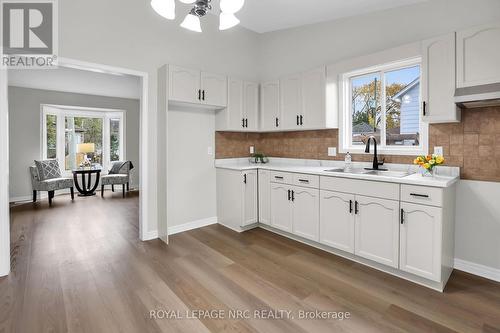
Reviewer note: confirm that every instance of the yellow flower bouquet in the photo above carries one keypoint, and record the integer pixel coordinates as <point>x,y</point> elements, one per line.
<point>427,163</point>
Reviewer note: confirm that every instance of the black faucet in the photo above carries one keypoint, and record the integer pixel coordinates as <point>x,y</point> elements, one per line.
<point>376,163</point>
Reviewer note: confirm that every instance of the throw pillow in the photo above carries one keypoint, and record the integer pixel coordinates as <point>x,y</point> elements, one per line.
<point>48,169</point>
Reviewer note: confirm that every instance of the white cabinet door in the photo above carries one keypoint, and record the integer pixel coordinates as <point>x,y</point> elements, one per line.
<point>251,105</point>
<point>264,196</point>
<point>305,205</point>
<point>377,230</point>
<point>421,232</point>
<point>270,116</point>
<point>478,60</point>
<point>250,198</point>
<point>337,220</point>
<point>184,84</point>
<point>281,211</point>
<point>291,101</point>
<point>438,80</point>
<point>235,105</point>
<point>214,89</point>
<point>314,99</point>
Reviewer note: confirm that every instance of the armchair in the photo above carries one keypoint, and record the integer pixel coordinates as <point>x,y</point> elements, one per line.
<point>118,175</point>
<point>46,176</point>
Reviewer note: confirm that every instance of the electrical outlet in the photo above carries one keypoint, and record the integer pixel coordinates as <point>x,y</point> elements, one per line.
<point>252,150</point>
<point>332,151</point>
<point>438,151</point>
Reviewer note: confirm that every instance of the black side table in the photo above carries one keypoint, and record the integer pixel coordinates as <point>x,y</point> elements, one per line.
<point>85,190</point>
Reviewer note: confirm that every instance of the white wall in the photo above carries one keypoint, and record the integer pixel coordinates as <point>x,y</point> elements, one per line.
<point>129,34</point>
<point>191,188</point>
<point>4,178</point>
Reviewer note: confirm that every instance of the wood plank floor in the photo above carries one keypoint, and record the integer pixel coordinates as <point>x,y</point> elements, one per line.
<point>79,267</point>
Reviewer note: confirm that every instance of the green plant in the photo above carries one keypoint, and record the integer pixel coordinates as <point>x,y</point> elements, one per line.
<point>259,157</point>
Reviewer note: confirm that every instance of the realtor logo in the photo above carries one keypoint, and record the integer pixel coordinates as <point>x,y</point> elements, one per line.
<point>29,33</point>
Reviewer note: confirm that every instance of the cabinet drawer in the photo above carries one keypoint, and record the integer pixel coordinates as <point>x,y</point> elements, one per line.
<point>431,196</point>
<point>281,177</point>
<point>361,187</point>
<point>305,180</point>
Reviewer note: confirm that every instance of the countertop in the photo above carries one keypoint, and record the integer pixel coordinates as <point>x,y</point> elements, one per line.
<point>446,176</point>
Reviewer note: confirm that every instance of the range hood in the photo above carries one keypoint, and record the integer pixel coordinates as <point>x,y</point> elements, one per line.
<point>478,96</point>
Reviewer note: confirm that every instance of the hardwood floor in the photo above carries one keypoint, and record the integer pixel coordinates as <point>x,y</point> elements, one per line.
<point>80,267</point>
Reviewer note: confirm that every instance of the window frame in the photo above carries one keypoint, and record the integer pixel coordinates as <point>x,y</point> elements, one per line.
<point>61,112</point>
<point>345,128</point>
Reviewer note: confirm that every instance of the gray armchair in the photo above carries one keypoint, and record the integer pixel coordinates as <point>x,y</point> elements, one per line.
<point>46,176</point>
<point>118,175</point>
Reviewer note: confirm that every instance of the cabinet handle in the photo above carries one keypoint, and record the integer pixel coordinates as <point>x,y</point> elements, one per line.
<point>246,122</point>
<point>301,120</point>
<point>243,122</point>
<point>203,95</point>
<point>350,206</point>
<point>298,120</point>
<point>293,195</point>
<point>356,207</point>
<point>419,195</point>
<point>289,195</point>
<point>278,177</point>
<point>199,94</point>
<point>304,181</point>
<point>277,122</point>
<point>245,178</point>
<point>402,216</point>
<point>424,108</point>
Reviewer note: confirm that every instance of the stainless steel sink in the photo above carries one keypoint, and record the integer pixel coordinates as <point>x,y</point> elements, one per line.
<point>353,171</point>
<point>395,174</point>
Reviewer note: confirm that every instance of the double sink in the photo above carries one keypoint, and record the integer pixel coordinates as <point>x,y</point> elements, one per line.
<point>384,173</point>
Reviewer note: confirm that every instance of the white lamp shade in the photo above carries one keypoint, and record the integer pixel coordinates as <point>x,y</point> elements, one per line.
<point>187,1</point>
<point>165,8</point>
<point>192,22</point>
<point>227,21</point>
<point>231,6</point>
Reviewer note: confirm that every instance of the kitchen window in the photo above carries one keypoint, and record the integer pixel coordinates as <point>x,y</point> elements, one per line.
<point>385,102</point>
<point>72,134</point>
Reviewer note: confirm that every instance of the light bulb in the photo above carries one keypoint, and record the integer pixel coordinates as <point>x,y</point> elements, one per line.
<point>192,22</point>
<point>231,6</point>
<point>165,8</point>
<point>227,21</point>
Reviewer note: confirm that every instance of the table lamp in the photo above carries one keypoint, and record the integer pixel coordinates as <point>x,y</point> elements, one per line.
<point>85,148</point>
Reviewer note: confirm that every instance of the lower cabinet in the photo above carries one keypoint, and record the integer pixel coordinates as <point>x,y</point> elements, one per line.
<point>377,230</point>
<point>264,196</point>
<point>250,209</point>
<point>421,237</point>
<point>337,220</point>
<point>281,212</point>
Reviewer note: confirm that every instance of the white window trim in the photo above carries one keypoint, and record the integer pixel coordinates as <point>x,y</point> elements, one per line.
<point>345,132</point>
<point>61,111</point>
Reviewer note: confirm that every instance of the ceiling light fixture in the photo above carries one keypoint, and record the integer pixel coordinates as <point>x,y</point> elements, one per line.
<point>227,19</point>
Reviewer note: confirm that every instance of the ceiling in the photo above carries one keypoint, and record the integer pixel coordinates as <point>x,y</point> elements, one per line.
<point>270,15</point>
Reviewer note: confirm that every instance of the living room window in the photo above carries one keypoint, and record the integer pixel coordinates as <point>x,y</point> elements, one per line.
<point>385,102</point>
<point>73,135</point>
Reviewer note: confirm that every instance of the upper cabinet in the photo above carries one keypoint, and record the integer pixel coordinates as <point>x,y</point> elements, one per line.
<point>478,60</point>
<point>195,87</point>
<point>438,80</point>
<point>242,112</point>
<point>314,99</point>
<point>270,112</point>
<point>291,101</point>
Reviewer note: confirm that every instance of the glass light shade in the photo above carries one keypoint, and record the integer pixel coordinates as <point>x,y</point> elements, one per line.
<point>227,21</point>
<point>231,6</point>
<point>165,8</point>
<point>187,1</point>
<point>192,22</point>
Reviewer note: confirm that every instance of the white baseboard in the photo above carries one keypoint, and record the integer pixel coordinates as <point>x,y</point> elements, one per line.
<point>192,225</point>
<point>150,235</point>
<point>478,269</point>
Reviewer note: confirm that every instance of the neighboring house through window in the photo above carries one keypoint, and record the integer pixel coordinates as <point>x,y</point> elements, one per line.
<point>71,134</point>
<point>384,101</point>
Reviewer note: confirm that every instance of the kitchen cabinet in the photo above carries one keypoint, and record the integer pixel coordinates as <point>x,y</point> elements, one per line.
<point>242,111</point>
<point>270,112</point>
<point>305,212</point>
<point>337,220</point>
<point>291,102</point>
<point>264,177</point>
<point>478,62</point>
<point>196,87</point>
<point>314,99</point>
<point>377,230</point>
<point>420,234</point>
<point>439,80</point>
<point>281,212</point>
<point>237,198</point>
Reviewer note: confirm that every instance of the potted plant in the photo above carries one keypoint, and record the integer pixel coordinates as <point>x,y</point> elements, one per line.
<point>259,158</point>
<point>428,163</point>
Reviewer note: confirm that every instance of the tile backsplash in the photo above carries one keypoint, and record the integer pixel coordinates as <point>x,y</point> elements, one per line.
<point>473,144</point>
